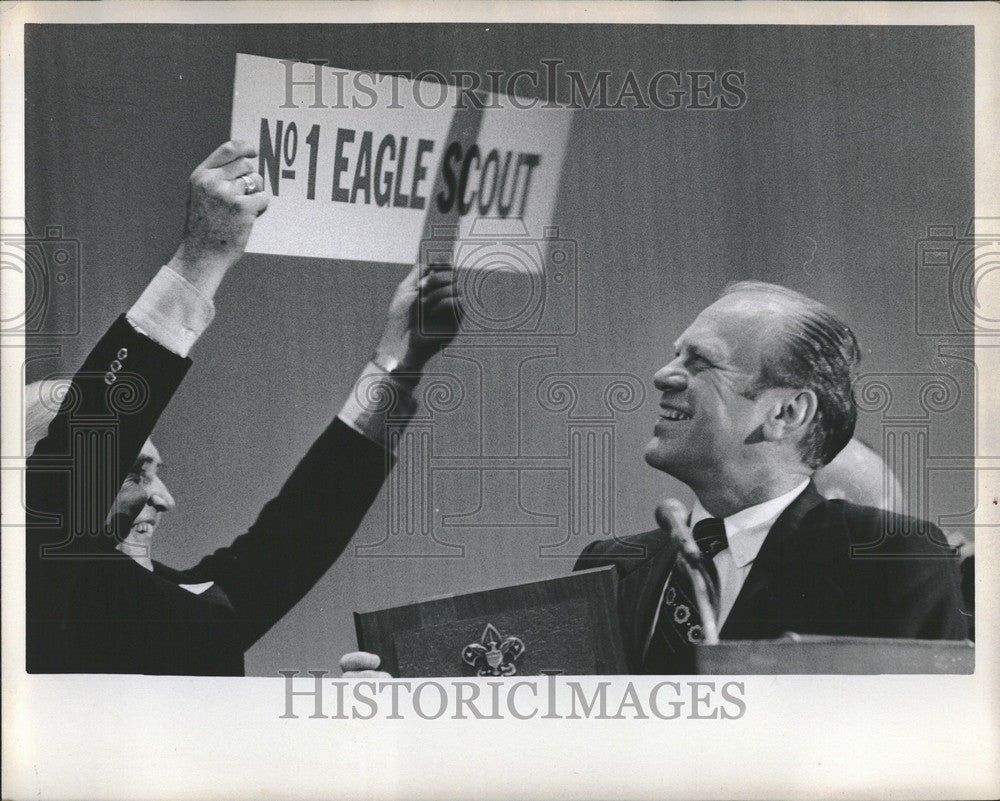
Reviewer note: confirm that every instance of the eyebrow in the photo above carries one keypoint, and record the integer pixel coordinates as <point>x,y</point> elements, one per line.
<point>698,350</point>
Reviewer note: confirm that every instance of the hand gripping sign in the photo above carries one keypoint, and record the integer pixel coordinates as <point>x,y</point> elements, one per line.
<point>361,164</point>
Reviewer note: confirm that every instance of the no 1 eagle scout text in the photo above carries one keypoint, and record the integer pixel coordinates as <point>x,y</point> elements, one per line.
<point>388,170</point>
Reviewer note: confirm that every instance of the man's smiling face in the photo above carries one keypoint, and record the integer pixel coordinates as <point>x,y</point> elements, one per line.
<point>707,419</point>
<point>143,497</point>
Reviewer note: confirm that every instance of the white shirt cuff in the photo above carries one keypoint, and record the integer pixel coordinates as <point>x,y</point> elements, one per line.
<point>377,404</point>
<point>172,312</point>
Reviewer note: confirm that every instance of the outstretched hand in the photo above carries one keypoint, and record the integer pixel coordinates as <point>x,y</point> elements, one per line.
<point>424,316</point>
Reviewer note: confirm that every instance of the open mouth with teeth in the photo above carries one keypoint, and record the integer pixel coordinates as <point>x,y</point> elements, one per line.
<point>143,528</point>
<point>667,413</point>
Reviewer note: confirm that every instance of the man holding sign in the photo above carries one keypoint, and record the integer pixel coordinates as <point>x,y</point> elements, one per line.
<point>96,601</point>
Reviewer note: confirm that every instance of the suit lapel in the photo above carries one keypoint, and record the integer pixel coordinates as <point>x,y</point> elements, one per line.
<point>754,612</point>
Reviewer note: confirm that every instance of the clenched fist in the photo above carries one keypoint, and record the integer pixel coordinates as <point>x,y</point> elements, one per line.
<point>225,196</point>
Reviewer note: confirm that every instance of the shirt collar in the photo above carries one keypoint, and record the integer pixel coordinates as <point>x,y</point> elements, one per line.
<point>747,529</point>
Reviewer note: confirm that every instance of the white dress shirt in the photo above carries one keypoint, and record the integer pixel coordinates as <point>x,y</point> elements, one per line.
<point>745,531</point>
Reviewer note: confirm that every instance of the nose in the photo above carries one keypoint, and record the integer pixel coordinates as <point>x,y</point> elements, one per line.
<point>159,496</point>
<point>671,377</point>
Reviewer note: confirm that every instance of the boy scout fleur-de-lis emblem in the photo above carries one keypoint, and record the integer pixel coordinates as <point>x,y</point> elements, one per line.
<point>493,655</point>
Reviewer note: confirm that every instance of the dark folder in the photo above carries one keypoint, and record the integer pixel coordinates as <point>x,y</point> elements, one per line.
<point>566,625</point>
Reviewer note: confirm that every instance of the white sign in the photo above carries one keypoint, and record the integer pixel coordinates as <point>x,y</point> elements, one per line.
<point>356,162</point>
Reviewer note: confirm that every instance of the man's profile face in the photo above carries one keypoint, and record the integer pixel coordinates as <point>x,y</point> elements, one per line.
<point>706,420</point>
<point>143,497</point>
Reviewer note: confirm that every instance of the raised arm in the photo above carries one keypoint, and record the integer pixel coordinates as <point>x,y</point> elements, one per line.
<point>128,378</point>
<point>300,533</point>
<point>79,500</point>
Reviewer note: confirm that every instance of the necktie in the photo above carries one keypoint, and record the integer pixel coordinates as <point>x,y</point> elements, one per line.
<point>710,534</point>
<point>678,624</point>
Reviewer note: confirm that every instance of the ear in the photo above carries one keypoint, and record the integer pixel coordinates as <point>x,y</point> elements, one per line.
<point>790,416</point>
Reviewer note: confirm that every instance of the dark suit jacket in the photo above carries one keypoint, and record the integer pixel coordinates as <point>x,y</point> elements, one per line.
<point>91,609</point>
<point>806,578</point>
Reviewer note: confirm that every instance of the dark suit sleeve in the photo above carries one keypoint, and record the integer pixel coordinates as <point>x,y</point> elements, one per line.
<point>74,473</point>
<point>110,408</point>
<point>301,532</point>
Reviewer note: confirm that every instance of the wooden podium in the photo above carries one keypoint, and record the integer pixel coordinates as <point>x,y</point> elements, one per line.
<point>570,626</point>
<point>803,654</point>
<point>567,625</point>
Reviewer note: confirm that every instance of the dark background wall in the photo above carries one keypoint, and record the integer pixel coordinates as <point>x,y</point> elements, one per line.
<point>852,141</point>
